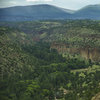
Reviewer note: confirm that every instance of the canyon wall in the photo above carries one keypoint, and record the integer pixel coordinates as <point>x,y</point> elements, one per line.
<point>86,52</point>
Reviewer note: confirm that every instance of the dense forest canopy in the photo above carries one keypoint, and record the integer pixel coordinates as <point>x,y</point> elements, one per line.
<point>49,60</point>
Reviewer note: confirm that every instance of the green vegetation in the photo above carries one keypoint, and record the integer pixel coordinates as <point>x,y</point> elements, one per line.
<point>31,69</point>
<point>78,33</point>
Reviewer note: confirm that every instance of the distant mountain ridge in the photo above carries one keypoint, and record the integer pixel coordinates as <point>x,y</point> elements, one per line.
<point>46,12</point>
<point>89,12</point>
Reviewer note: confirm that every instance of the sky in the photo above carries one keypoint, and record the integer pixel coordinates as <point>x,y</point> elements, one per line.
<point>68,4</point>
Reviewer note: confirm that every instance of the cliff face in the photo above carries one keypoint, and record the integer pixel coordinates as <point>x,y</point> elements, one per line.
<point>90,53</point>
<point>87,53</point>
<point>96,97</point>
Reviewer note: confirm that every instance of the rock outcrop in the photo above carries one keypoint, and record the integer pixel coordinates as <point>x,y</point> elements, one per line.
<point>88,53</point>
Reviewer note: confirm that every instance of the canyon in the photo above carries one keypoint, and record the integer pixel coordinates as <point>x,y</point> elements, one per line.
<point>87,53</point>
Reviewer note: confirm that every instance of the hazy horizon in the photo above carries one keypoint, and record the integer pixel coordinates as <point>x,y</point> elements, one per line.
<point>71,4</point>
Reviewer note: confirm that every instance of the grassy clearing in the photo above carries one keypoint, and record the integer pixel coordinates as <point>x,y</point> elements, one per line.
<point>92,69</point>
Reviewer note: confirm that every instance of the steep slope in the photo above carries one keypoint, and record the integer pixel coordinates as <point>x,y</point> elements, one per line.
<point>34,12</point>
<point>88,12</point>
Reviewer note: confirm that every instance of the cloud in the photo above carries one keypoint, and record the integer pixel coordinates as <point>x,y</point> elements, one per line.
<point>32,0</point>
<point>39,0</point>
<point>12,2</point>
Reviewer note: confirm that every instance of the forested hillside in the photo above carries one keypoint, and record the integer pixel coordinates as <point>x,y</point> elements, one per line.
<point>79,37</point>
<point>50,60</point>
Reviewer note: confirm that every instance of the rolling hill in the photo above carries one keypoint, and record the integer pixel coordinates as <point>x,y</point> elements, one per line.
<point>48,12</point>
<point>88,12</point>
<point>34,12</point>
